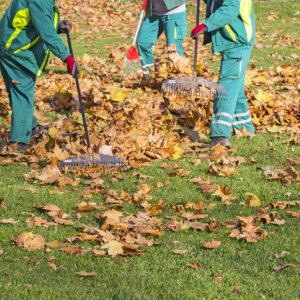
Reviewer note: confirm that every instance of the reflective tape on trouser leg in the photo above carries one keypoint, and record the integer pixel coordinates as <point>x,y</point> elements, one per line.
<point>233,67</point>
<point>21,84</point>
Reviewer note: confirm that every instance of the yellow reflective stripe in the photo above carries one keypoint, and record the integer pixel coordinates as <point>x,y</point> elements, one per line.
<point>231,33</point>
<point>21,19</point>
<point>28,45</point>
<point>55,22</point>
<point>56,17</point>
<point>175,33</point>
<point>245,12</point>
<point>43,63</point>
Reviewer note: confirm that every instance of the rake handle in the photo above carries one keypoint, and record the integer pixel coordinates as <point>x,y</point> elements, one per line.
<point>142,15</point>
<point>196,40</point>
<point>87,138</point>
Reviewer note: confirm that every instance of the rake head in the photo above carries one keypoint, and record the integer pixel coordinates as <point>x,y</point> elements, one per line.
<point>192,86</point>
<point>84,161</point>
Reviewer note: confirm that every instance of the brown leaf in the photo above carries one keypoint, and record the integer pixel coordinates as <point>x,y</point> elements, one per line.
<point>114,248</point>
<point>212,244</point>
<point>180,251</point>
<point>194,265</point>
<point>281,254</point>
<point>294,214</point>
<point>86,274</point>
<point>73,249</point>
<point>252,200</point>
<point>29,241</point>
<point>99,252</point>
<point>285,266</point>
<point>9,221</point>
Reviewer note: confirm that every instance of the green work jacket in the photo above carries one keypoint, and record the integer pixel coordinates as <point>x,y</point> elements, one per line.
<point>170,4</point>
<point>230,24</point>
<point>28,32</point>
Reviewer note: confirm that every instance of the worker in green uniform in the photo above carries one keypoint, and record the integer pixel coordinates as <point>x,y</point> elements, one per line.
<point>167,16</point>
<point>28,32</point>
<point>230,26</point>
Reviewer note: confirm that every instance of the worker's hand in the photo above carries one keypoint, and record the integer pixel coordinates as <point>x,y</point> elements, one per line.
<point>197,30</point>
<point>72,66</point>
<point>64,26</point>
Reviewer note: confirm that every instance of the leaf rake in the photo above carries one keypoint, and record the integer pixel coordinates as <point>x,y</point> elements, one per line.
<point>193,85</point>
<point>90,159</point>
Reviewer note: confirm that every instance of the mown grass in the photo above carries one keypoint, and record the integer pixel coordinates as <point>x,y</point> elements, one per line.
<point>245,270</point>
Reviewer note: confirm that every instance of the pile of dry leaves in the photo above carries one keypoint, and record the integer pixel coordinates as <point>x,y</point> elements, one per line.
<point>130,113</point>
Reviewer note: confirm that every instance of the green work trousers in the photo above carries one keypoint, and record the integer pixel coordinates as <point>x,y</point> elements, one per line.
<point>231,110</point>
<point>173,25</point>
<point>20,85</point>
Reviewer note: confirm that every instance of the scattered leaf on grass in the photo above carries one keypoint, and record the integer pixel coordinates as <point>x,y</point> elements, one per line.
<point>9,221</point>
<point>114,248</point>
<point>212,244</point>
<point>29,241</point>
<point>252,200</point>
<point>285,266</point>
<point>86,274</point>
<point>180,251</point>
<point>281,254</point>
<point>294,214</point>
<point>194,265</point>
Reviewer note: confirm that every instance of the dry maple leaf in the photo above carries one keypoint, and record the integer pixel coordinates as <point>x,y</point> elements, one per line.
<point>180,251</point>
<point>86,274</point>
<point>195,265</point>
<point>73,249</point>
<point>252,200</point>
<point>294,214</point>
<point>29,241</point>
<point>114,248</point>
<point>212,244</point>
<point>9,221</point>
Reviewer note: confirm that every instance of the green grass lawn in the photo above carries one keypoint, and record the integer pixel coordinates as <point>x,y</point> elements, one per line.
<point>236,270</point>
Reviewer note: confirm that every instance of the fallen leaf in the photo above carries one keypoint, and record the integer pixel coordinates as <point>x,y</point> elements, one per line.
<point>252,200</point>
<point>9,221</point>
<point>281,254</point>
<point>29,241</point>
<point>285,266</point>
<point>194,266</point>
<point>86,274</point>
<point>114,248</point>
<point>180,251</point>
<point>212,244</point>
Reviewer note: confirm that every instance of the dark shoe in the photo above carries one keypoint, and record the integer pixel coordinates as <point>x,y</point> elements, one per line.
<point>38,129</point>
<point>18,147</point>
<point>222,140</point>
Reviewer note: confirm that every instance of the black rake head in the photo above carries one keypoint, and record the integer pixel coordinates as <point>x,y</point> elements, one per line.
<point>192,86</point>
<point>84,161</point>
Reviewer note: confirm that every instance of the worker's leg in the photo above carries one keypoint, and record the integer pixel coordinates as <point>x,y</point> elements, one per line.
<point>232,73</point>
<point>175,28</point>
<point>149,33</point>
<point>20,84</point>
<point>241,117</point>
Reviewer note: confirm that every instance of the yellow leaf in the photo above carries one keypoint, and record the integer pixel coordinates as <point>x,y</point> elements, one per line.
<point>118,96</point>
<point>177,154</point>
<point>252,200</point>
<point>52,132</point>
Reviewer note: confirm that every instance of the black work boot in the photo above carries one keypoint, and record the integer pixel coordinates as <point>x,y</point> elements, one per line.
<point>222,140</point>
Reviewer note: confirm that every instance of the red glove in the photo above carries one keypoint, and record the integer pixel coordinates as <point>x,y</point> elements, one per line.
<point>72,65</point>
<point>197,30</point>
